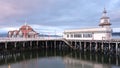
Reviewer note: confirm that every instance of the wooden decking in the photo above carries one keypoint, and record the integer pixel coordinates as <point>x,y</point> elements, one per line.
<point>98,45</point>
<point>5,39</point>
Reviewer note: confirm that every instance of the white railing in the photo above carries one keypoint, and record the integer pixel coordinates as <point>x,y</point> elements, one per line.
<point>5,39</point>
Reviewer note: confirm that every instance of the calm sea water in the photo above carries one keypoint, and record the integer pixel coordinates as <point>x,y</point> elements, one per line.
<point>58,59</point>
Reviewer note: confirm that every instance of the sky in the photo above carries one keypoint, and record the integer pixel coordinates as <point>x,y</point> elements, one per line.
<point>54,16</point>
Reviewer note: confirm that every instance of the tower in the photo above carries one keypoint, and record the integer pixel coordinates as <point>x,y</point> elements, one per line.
<point>105,21</point>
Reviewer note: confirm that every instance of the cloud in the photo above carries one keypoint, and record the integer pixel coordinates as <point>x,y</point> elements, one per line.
<point>42,29</point>
<point>16,11</point>
<point>115,15</point>
<point>4,30</point>
<point>113,3</point>
<point>8,10</point>
<point>56,14</point>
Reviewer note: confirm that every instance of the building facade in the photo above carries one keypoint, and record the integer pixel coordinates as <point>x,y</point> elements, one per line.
<point>24,31</point>
<point>103,32</point>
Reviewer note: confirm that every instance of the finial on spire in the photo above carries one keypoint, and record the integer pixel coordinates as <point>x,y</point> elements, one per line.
<point>104,11</point>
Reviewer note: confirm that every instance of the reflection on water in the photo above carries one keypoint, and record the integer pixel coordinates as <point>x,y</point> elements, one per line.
<point>58,59</point>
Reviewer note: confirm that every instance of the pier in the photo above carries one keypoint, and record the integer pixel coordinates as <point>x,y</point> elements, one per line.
<point>52,43</point>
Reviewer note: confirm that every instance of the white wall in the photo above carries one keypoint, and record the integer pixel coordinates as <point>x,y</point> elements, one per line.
<point>79,38</point>
<point>65,36</point>
<point>96,36</point>
<point>99,36</point>
<point>97,33</point>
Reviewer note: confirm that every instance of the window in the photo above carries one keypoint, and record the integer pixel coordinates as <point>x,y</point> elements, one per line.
<point>87,35</point>
<point>71,35</point>
<point>67,35</point>
<point>77,35</point>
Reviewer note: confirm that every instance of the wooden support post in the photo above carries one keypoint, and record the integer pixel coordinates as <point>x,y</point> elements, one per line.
<point>23,44</point>
<point>80,45</point>
<point>102,46</point>
<point>15,44</point>
<point>51,45</point>
<point>55,44</point>
<point>90,45</point>
<point>30,43</point>
<point>59,46</point>
<point>46,44</point>
<point>72,45</point>
<point>5,45</point>
<point>71,42</point>
<point>109,45</point>
<point>96,46</point>
<point>84,46</point>
<point>75,44</point>
<point>116,47</point>
<point>37,43</point>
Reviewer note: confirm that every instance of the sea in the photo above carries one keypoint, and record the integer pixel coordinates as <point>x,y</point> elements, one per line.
<point>58,59</point>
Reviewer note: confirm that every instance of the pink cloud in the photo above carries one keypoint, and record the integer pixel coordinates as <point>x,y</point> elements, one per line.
<point>7,9</point>
<point>11,8</point>
<point>115,15</point>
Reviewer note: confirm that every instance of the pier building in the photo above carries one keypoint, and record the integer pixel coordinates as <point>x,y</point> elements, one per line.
<point>24,31</point>
<point>88,39</point>
<point>103,32</point>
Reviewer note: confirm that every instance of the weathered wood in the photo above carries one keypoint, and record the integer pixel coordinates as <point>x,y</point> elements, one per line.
<point>53,44</point>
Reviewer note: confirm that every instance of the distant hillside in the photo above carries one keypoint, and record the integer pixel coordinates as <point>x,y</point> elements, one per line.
<point>116,34</point>
<point>3,34</point>
<point>49,35</point>
<point>42,35</point>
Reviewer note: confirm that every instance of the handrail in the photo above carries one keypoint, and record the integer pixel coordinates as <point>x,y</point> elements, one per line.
<point>5,39</point>
<point>68,44</point>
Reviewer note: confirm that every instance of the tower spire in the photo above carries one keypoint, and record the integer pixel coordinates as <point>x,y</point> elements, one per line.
<point>104,12</point>
<point>104,21</point>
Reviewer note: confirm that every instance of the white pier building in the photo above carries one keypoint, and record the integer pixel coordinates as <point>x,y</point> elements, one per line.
<point>103,32</point>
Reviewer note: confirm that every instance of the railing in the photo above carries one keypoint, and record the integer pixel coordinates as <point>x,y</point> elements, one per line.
<point>5,39</point>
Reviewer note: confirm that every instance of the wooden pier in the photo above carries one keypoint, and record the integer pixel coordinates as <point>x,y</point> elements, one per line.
<point>112,45</point>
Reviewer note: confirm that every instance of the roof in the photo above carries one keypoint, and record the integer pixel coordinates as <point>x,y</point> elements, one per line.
<point>25,27</point>
<point>88,30</point>
<point>102,24</point>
